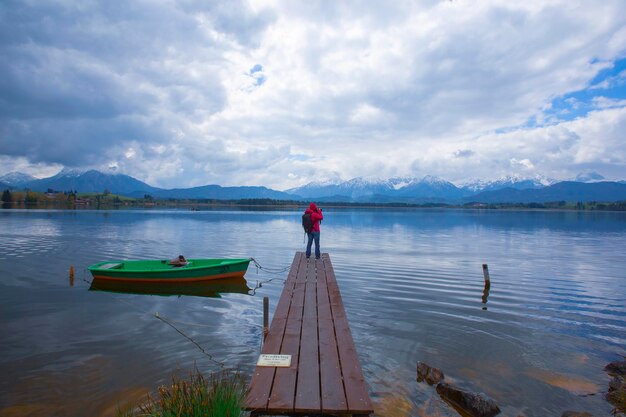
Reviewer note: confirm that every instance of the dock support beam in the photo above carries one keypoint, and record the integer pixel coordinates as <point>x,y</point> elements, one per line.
<point>266,307</point>
<point>486,273</point>
<point>487,285</point>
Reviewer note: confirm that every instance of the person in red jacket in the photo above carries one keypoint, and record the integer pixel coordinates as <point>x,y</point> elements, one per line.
<point>314,234</point>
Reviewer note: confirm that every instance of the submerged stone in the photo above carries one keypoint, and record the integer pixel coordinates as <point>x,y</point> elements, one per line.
<point>617,394</point>
<point>476,405</point>
<point>616,368</point>
<point>617,384</point>
<point>429,374</point>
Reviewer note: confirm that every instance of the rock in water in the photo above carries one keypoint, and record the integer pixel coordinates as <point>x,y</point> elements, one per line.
<point>476,405</point>
<point>616,368</point>
<point>429,374</point>
<point>617,384</point>
<point>617,394</point>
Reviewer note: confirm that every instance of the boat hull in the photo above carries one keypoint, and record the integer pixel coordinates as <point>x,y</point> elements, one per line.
<point>159,271</point>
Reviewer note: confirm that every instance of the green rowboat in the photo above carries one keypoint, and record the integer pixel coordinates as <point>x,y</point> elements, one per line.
<point>162,271</point>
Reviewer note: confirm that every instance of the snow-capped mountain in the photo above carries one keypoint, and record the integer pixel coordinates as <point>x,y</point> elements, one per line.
<point>401,182</point>
<point>354,188</point>
<point>511,181</point>
<point>16,179</point>
<point>431,187</point>
<point>361,186</point>
<point>367,189</point>
<point>314,188</point>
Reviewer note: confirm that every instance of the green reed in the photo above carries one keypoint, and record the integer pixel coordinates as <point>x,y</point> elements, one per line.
<point>222,395</point>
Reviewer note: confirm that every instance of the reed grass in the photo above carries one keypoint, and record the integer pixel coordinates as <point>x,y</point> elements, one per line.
<point>222,395</point>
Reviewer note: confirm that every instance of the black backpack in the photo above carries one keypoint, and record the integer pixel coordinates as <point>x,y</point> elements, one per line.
<point>307,223</point>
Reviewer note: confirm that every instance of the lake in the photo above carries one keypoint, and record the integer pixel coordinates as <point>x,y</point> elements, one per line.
<point>412,285</point>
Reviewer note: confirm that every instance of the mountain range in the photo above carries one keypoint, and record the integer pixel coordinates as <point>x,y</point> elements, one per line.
<point>588,186</point>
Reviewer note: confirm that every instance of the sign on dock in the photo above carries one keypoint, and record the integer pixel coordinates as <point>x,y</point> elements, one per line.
<point>280,361</point>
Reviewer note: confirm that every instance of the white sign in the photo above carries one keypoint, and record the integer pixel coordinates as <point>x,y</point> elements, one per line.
<point>280,361</point>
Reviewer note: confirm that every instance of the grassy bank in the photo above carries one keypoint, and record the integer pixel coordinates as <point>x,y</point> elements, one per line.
<point>221,395</point>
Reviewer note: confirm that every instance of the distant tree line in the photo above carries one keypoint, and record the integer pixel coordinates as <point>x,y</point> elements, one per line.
<point>73,199</point>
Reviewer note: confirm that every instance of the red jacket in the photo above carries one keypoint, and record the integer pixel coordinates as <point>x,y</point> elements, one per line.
<point>316,216</point>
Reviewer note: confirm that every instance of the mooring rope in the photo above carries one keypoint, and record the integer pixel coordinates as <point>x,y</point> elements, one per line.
<point>259,284</point>
<point>269,270</point>
<point>164,320</point>
<point>273,271</point>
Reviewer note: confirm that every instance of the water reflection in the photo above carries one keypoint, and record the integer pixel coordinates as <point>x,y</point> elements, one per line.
<point>212,289</point>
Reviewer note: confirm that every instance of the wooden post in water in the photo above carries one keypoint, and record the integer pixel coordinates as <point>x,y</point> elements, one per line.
<point>486,273</point>
<point>266,307</point>
<point>71,275</point>
<point>487,285</point>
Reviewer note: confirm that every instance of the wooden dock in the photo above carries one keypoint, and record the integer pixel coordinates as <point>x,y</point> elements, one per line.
<point>310,324</point>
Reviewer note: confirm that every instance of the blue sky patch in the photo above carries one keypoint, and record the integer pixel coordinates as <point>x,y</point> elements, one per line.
<point>257,73</point>
<point>607,88</point>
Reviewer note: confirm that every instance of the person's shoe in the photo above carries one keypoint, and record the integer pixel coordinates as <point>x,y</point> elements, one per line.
<point>317,257</point>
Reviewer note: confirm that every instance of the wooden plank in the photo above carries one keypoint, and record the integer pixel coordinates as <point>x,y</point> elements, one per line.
<point>356,390</point>
<point>282,308</point>
<point>336,302</point>
<point>308,388</point>
<point>283,390</point>
<point>356,393</point>
<point>323,300</point>
<point>284,386</point>
<point>310,299</point>
<point>263,378</point>
<point>331,380</point>
<point>308,270</point>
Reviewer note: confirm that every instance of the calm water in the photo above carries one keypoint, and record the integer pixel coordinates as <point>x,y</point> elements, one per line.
<point>412,285</point>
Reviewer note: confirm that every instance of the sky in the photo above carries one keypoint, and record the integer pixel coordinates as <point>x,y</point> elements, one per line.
<point>282,93</point>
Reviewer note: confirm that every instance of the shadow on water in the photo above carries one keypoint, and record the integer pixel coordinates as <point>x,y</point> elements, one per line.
<point>212,289</point>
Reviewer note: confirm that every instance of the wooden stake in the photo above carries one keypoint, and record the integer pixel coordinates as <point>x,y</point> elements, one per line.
<point>71,275</point>
<point>266,307</point>
<point>486,273</point>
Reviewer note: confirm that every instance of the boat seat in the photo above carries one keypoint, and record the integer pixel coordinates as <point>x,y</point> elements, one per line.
<point>111,265</point>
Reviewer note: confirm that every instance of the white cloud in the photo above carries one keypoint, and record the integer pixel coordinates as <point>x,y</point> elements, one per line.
<point>281,93</point>
<point>606,103</point>
<point>524,163</point>
<point>366,114</point>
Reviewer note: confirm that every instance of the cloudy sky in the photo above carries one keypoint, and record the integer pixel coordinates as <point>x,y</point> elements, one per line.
<point>280,93</point>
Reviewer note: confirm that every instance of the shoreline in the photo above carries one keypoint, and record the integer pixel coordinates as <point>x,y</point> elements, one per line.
<point>255,204</point>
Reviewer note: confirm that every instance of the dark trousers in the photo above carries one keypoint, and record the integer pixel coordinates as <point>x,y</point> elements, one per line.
<point>313,236</point>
